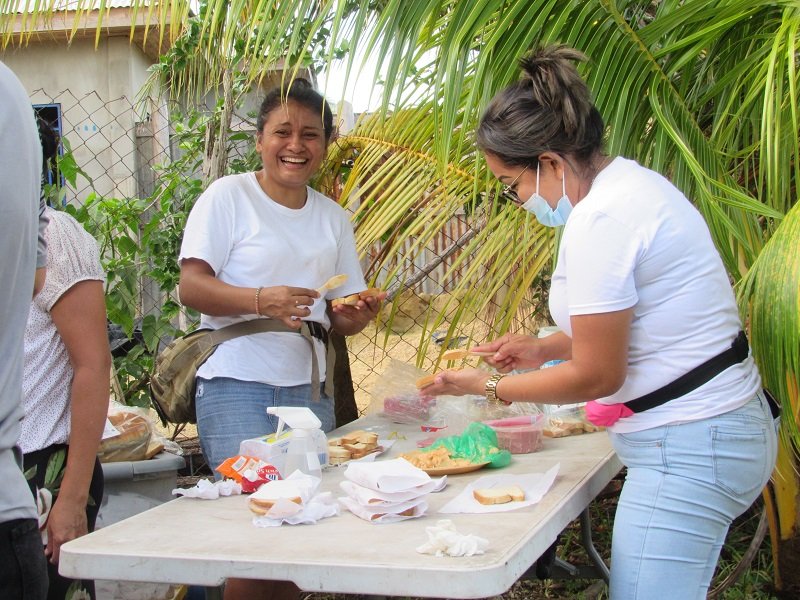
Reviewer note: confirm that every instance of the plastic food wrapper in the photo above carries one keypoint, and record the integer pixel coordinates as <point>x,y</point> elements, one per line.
<point>128,437</point>
<point>392,476</point>
<point>568,420</point>
<point>235,468</point>
<point>252,479</point>
<point>386,514</point>
<point>396,397</point>
<point>210,490</point>
<point>535,485</point>
<point>478,444</point>
<point>445,540</point>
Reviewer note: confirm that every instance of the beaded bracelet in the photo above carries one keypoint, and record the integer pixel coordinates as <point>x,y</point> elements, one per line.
<point>258,294</point>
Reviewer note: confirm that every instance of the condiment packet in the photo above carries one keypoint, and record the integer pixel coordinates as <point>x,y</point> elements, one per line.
<point>208,490</point>
<point>397,475</point>
<point>535,486</point>
<point>386,514</point>
<point>445,540</point>
<point>368,497</point>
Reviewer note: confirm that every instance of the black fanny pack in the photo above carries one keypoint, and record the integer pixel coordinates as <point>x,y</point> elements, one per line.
<point>701,374</point>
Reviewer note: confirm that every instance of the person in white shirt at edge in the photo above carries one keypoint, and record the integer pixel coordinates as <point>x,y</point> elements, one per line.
<point>257,245</point>
<point>641,297</point>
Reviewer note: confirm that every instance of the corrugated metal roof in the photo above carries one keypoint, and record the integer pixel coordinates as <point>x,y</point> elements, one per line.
<point>27,5</point>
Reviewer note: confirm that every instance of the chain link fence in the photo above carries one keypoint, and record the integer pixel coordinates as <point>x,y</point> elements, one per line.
<point>122,149</point>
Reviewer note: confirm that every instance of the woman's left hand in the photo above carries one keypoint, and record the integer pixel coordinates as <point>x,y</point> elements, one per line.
<point>66,522</point>
<point>349,319</point>
<point>458,382</point>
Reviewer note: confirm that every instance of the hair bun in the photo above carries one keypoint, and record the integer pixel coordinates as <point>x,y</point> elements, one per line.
<point>555,83</point>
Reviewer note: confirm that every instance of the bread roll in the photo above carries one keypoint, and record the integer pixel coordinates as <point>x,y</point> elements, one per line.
<point>499,495</point>
<point>132,442</point>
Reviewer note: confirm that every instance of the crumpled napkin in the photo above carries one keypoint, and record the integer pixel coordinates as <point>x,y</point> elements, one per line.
<point>208,490</point>
<point>445,540</point>
<point>283,511</point>
<point>535,486</point>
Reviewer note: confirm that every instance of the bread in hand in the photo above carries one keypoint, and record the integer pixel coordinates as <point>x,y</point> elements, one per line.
<point>350,300</point>
<point>369,293</point>
<point>425,381</point>
<point>499,495</point>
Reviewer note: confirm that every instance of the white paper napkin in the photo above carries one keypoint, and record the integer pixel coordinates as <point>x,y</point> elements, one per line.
<point>207,490</point>
<point>535,486</point>
<point>386,514</point>
<point>368,497</point>
<point>397,475</point>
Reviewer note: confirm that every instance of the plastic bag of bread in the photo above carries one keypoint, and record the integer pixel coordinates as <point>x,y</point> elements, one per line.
<point>130,435</point>
<point>396,396</point>
<point>563,421</point>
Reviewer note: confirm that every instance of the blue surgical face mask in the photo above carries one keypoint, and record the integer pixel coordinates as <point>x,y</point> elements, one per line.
<point>547,216</point>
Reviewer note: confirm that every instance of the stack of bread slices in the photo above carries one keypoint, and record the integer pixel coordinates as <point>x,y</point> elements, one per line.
<point>356,444</point>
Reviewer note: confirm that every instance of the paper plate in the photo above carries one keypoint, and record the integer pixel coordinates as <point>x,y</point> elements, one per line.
<point>455,470</point>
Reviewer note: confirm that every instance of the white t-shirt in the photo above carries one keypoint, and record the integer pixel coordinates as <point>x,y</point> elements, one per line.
<point>249,240</point>
<point>72,257</point>
<point>636,241</point>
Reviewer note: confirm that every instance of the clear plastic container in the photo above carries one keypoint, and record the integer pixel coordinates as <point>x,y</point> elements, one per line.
<point>519,437</point>
<point>302,455</point>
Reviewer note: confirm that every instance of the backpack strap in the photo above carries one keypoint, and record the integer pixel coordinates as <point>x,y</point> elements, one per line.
<point>234,330</point>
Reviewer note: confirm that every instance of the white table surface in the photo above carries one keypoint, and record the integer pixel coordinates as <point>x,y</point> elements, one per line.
<point>203,542</point>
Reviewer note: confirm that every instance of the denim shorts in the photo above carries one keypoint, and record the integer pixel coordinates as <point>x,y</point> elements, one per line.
<point>230,410</point>
<point>685,483</point>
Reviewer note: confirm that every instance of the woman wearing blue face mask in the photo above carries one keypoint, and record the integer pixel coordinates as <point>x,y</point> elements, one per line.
<point>650,333</point>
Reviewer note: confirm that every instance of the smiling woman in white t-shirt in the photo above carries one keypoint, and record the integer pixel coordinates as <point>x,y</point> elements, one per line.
<point>650,334</point>
<point>257,246</point>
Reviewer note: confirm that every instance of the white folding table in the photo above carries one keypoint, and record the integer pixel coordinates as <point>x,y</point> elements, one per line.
<point>204,542</point>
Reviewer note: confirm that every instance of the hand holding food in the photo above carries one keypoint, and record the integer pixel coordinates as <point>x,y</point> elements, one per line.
<point>454,382</point>
<point>285,303</point>
<point>513,351</point>
<point>352,313</point>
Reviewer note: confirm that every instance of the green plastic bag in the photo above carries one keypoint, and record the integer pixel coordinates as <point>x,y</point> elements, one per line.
<point>478,444</point>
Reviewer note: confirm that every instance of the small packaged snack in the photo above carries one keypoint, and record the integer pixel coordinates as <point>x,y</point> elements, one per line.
<point>239,466</point>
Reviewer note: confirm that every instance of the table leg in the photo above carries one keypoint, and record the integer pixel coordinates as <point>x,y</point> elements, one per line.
<point>214,593</point>
<point>588,544</point>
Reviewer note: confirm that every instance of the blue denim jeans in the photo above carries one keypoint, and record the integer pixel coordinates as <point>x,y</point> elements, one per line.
<point>230,410</point>
<point>23,566</point>
<point>685,484</point>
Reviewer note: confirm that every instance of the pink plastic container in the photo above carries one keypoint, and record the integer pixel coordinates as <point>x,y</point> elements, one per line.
<point>518,436</point>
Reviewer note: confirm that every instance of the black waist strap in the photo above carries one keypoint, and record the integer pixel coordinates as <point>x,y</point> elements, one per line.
<point>704,373</point>
<point>318,331</point>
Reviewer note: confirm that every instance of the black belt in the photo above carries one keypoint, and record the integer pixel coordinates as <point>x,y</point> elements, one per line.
<point>701,374</point>
<point>318,331</point>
